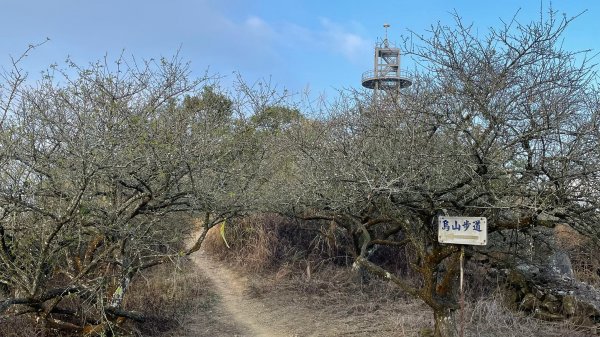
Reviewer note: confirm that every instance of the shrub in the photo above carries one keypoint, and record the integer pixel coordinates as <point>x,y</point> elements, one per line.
<point>268,241</point>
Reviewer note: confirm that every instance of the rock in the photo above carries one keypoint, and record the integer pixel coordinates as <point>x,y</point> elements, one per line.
<point>553,297</point>
<point>539,277</point>
<point>528,269</point>
<point>511,299</point>
<point>552,306</point>
<point>538,292</point>
<point>560,263</point>
<point>529,302</point>
<point>587,309</point>
<point>569,305</point>
<point>517,280</point>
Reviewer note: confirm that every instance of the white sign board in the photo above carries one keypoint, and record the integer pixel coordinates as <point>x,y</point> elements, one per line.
<point>462,230</point>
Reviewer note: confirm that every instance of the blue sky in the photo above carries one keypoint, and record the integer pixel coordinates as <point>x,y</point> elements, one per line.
<point>322,45</point>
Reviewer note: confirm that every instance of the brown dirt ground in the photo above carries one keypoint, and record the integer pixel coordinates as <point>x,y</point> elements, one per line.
<point>250,306</point>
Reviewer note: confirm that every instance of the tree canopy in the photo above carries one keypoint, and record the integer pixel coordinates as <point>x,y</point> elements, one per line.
<point>103,167</point>
<point>503,126</point>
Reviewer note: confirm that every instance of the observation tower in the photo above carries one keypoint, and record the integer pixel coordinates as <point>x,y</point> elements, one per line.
<point>386,74</point>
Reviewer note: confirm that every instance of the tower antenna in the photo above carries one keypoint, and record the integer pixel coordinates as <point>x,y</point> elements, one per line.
<point>386,74</point>
<point>385,42</point>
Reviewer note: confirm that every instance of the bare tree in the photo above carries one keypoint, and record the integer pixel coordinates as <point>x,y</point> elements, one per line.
<point>503,125</point>
<point>96,163</point>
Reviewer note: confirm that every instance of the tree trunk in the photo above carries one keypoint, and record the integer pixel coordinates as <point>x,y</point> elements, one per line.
<point>445,323</point>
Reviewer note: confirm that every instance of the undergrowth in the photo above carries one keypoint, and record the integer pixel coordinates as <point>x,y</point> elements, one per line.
<point>264,242</point>
<point>311,260</point>
<point>170,295</point>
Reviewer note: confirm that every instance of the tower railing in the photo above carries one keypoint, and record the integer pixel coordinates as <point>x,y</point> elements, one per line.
<point>386,72</point>
<point>385,79</point>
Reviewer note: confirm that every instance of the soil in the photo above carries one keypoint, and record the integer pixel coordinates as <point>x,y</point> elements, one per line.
<point>246,305</point>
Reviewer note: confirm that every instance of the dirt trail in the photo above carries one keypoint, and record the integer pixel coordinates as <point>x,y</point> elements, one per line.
<point>239,309</point>
<point>250,316</point>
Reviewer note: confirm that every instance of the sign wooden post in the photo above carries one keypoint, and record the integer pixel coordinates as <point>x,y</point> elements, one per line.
<point>462,292</point>
<point>462,231</point>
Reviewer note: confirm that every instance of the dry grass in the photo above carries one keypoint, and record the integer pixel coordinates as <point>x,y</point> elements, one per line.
<point>252,242</point>
<point>287,261</point>
<point>284,268</point>
<point>488,317</point>
<point>23,327</point>
<point>264,242</point>
<point>170,295</point>
<point>391,313</point>
<point>583,253</point>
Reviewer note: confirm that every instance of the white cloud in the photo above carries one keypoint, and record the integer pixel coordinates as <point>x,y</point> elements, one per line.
<point>339,39</point>
<point>255,22</point>
<point>258,45</point>
<point>331,37</point>
<point>257,26</point>
<point>266,42</point>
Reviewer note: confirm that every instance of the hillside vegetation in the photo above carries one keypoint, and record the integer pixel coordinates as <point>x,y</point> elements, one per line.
<point>107,170</point>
